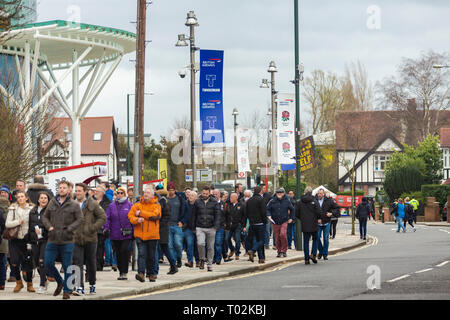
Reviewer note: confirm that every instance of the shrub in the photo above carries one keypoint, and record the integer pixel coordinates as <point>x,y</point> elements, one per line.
<point>439,191</point>
<point>404,179</point>
<point>417,195</point>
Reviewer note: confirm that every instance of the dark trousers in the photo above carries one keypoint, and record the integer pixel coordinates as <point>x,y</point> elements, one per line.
<point>2,268</point>
<point>363,227</point>
<point>121,248</point>
<point>146,256</point>
<point>258,232</point>
<point>19,254</point>
<point>333,228</point>
<point>315,242</point>
<point>100,251</point>
<point>235,233</point>
<point>38,258</point>
<point>86,254</point>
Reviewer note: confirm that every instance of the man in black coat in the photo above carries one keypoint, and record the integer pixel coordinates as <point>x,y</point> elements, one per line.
<point>255,211</point>
<point>329,208</point>
<point>267,196</point>
<point>309,213</point>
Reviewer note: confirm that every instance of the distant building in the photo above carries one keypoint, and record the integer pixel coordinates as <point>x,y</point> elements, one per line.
<point>147,140</point>
<point>98,143</point>
<point>445,146</point>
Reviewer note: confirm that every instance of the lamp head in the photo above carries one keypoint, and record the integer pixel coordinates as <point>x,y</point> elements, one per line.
<point>235,112</point>
<point>272,67</point>
<point>191,19</point>
<point>264,84</point>
<point>181,41</point>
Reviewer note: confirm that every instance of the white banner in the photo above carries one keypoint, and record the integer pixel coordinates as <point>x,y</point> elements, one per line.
<point>286,128</point>
<point>242,150</point>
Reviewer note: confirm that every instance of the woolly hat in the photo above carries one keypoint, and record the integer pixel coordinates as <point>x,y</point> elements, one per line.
<point>5,188</point>
<point>171,185</point>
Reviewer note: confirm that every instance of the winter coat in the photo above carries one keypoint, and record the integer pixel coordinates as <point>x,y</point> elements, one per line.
<point>117,218</point>
<point>104,203</point>
<point>188,217</point>
<point>4,205</point>
<point>363,210</point>
<point>34,189</point>
<point>328,205</point>
<point>280,210</point>
<point>309,212</point>
<point>235,216</point>
<point>165,216</point>
<point>94,218</point>
<point>151,212</point>
<point>2,228</point>
<point>64,218</point>
<point>206,214</point>
<point>36,220</point>
<point>15,213</point>
<point>223,217</point>
<point>400,211</point>
<point>409,212</point>
<point>255,210</point>
<point>180,217</point>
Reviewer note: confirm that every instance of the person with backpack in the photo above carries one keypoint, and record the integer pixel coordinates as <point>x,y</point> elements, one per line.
<point>409,214</point>
<point>363,212</point>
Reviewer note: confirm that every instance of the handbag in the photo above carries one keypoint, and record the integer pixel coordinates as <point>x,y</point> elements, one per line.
<point>11,233</point>
<point>125,232</point>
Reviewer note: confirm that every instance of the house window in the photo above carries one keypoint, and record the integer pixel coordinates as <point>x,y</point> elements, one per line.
<point>97,136</point>
<point>56,164</point>
<point>48,137</point>
<point>380,163</point>
<point>446,158</point>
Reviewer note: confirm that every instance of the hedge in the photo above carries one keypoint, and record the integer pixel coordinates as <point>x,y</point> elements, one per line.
<point>439,191</point>
<point>418,195</point>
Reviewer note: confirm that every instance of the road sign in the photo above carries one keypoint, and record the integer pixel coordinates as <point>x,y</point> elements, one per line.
<point>241,175</point>
<point>188,175</point>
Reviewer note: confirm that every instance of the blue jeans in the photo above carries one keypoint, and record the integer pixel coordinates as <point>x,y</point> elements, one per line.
<point>2,268</point>
<point>257,232</point>
<point>363,227</point>
<point>146,256</point>
<point>191,246</point>
<point>291,234</point>
<point>163,249</point>
<point>236,235</point>
<point>176,236</point>
<point>306,237</point>
<point>110,256</point>
<point>218,242</point>
<point>323,248</point>
<point>267,234</point>
<point>51,252</point>
<point>400,224</point>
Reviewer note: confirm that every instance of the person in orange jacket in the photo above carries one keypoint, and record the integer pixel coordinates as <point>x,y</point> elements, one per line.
<point>145,215</point>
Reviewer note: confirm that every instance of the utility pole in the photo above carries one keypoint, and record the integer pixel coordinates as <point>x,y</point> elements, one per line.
<point>139,98</point>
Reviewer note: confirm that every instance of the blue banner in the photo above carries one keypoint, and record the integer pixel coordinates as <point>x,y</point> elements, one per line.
<point>211,95</point>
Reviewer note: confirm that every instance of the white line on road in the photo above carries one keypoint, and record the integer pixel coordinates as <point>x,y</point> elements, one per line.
<point>424,270</point>
<point>444,230</point>
<point>442,264</point>
<point>300,287</point>
<point>399,278</point>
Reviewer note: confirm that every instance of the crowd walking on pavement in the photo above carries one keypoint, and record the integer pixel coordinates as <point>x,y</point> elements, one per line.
<point>212,227</point>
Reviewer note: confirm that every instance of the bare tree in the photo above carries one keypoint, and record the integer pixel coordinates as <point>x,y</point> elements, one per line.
<point>356,88</point>
<point>419,82</point>
<point>13,14</point>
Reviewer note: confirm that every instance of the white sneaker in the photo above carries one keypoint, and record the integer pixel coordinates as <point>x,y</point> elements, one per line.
<point>42,290</point>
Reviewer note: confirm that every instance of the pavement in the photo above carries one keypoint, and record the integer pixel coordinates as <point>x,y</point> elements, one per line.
<point>108,287</point>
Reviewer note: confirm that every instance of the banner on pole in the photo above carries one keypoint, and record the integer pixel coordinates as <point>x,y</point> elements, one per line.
<point>242,150</point>
<point>307,160</point>
<point>286,130</point>
<point>162,171</point>
<point>211,95</point>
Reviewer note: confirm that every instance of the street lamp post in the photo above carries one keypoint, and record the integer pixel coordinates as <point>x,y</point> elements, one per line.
<point>235,114</point>
<point>191,22</point>
<point>272,69</point>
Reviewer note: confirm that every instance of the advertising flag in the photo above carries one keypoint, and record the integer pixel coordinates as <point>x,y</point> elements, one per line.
<point>286,130</point>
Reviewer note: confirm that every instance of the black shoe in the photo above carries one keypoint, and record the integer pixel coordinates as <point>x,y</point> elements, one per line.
<point>218,262</point>
<point>279,255</point>
<point>284,254</point>
<point>173,270</point>
<point>313,258</point>
<point>160,261</point>
<point>319,256</point>
<point>307,262</point>
<point>179,264</point>
<point>325,258</point>
<point>364,238</point>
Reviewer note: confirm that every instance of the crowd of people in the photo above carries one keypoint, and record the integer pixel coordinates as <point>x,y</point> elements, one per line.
<point>78,225</point>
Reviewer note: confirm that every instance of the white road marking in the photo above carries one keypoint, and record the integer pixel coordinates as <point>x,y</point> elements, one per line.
<point>305,286</point>
<point>424,270</point>
<point>399,278</point>
<point>444,231</point>
<point>442,264</point>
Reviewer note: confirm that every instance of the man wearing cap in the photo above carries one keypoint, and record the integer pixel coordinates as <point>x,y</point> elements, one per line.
<point>280,212</point>
<point>177,218</point>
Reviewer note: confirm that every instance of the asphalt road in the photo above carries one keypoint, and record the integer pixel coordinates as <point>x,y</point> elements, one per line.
<point>395,257</point>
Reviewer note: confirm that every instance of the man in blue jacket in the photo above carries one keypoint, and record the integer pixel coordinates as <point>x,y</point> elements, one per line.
<point>280,212</point>
<point>177,219</point>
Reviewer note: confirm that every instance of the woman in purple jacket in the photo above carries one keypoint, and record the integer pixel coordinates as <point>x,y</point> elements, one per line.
<point>120,230</point>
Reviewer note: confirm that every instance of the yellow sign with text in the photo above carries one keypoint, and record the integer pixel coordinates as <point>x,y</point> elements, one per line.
<point>162,171</point>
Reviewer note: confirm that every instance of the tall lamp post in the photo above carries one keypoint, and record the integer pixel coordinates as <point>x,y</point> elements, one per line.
<point>272,70</point>
<point>191,22</point>
<point>235,114</point>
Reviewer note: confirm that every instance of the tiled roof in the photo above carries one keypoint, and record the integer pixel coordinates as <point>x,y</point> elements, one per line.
<point>445,137</point>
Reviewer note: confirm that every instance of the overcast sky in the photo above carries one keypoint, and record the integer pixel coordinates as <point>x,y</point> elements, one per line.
<point>252,33</point>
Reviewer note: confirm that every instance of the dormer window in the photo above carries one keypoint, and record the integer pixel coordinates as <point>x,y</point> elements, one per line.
<point>97,136</point>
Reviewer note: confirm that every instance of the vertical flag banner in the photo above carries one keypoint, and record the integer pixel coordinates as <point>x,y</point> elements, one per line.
<point>242,150</point>
<point>286,130</point>
<point>211,95</point>
<point>162,171</point>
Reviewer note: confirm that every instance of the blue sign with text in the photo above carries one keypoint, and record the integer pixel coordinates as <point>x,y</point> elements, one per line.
<point>211,95</point>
